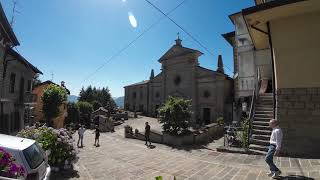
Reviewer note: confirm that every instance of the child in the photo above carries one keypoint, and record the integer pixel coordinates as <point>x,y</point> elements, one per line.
<point>96,140</point>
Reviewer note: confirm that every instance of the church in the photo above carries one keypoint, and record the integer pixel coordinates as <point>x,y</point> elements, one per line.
<point>182,76</point>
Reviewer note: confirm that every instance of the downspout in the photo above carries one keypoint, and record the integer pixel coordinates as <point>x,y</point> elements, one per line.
<point>273,71</point>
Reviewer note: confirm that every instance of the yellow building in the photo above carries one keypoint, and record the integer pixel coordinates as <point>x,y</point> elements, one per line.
<point>58,122</point>
<point>290,31</point>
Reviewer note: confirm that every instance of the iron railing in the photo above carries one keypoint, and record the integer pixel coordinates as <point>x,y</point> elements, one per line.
<point>255,93</point>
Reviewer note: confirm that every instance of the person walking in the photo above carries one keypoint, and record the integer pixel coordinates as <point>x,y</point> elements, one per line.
<point>147,134</point>
<point>274,148</point>
<point>81,131</point>
<point>97,135</point>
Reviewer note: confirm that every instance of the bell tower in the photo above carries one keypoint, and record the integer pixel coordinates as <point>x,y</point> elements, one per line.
<point>220,65</point>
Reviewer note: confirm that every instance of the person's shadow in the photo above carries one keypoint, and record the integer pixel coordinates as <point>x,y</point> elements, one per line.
<point>294,177</point>
<point>151,146</point>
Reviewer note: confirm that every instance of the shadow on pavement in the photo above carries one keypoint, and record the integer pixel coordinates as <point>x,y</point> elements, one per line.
<point>294,177</point>
<point>65,174</point>
<point>151,146</point>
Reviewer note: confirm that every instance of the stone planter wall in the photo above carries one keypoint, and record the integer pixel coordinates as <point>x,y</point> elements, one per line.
<point>206,135</point>
<point>178,140</point>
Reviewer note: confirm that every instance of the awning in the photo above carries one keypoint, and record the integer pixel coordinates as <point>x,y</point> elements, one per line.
<point>257,17</point>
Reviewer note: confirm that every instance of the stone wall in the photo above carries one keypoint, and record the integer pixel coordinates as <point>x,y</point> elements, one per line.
<point>206,135</point>
<point>298,110</point>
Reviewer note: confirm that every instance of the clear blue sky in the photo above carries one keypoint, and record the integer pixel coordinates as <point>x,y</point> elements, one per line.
<point>72,38</point>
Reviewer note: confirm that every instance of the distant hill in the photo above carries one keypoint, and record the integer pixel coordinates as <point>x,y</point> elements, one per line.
<point>73,98</point>
<point>119,101</point>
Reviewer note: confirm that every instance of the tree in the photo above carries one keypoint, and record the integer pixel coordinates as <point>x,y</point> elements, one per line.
<point>73,113</point>
<point>175,115</point>
<point>85,109</point>
<point>36,80</point>
<point>96,105</point>
<point>95,95</point>
<point>53,97</point>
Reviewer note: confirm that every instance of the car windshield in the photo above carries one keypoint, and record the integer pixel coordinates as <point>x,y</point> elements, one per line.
<point>33,156</point>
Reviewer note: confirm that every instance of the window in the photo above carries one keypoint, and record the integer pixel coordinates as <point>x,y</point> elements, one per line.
<point>157,94</point>
<point>206,94</point>
<point>12,82</point>
<point>29,86</point>
<point>21,91</point>
<point>33,156</point>
<point>177,80</point>
<point>141,94</point>
<point>134,95</point>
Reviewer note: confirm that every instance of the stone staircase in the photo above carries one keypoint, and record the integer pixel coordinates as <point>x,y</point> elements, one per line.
<point>261,131</point>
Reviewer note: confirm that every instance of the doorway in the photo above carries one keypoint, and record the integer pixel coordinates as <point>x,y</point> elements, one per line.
<point>206,115</point>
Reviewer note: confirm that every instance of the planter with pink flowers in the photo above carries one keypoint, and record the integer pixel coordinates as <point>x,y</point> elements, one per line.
<point>9,169</point>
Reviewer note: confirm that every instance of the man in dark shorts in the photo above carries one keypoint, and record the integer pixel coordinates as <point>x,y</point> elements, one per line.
<point>97,135</point>
<point>147,133</point>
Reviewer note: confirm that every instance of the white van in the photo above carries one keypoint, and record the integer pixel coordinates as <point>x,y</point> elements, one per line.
<point>28,154</point>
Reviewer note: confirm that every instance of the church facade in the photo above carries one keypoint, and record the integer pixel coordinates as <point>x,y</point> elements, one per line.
<point>182,76</point>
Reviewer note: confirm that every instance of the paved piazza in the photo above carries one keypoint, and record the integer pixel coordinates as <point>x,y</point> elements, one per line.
<point>124,159</point>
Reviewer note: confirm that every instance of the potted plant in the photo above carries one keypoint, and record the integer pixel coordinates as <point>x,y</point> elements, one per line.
<point>9,169</point>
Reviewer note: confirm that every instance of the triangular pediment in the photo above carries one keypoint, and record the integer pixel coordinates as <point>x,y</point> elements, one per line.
<point>176,51</point>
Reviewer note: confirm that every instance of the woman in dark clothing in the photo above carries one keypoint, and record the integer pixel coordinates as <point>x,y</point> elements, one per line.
<point>96,140</point>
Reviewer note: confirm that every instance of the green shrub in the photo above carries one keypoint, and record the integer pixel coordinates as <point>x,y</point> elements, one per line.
<point>220,121</point>
<point>85,109</point>
<point>53,97</point>
<point>175,115</point>
<point>244,134</point>
<point>57,142</point>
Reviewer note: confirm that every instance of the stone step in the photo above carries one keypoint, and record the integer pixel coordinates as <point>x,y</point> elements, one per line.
<point>264,99</point>
<point>261,127</point>
<point>261,123</point>
<point>264,103</point>
<point>261,118</point>
<point>266,94</point>
<point>261,132</point>
<point>258,147</point>
<point>268,106</point>
<point>257,152</point>
<point>263,115</point>
<point>260,142</point>
<point>261,137</point>
<point>264,108</point>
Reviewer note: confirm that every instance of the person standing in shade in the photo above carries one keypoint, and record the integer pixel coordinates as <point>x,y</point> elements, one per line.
<point>97,135</point>
<point>147,133</point>
<point>81,131</point>
<point>274,148</point>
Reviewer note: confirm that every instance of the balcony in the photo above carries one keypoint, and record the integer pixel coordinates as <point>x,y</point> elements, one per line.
<point>29,98</point>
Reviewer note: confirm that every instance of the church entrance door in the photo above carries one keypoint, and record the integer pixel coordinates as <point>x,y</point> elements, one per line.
<point>206,115</point>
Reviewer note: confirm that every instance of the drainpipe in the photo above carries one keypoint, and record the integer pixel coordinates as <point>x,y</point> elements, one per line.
<point>273,71</point>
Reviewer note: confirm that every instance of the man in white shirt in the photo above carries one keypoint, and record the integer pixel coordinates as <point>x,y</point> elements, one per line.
<point>81,131</point>
<point>274,148</point>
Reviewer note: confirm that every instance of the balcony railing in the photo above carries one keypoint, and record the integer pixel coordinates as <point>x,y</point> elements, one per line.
<point>29,98</point>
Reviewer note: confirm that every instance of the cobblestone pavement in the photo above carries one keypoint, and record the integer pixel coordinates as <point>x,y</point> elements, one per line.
<point>124,159</point>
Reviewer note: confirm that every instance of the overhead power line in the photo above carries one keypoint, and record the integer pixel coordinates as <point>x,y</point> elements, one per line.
<point>183,29</point>
<point>131,42</point>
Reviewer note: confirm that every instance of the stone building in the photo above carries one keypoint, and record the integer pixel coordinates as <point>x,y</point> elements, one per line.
<point>288,31</point>
<point>182,76</point>
<point>16,77</point>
